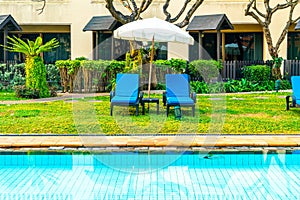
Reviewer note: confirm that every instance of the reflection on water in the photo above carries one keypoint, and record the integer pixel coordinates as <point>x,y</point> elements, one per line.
<point>270,175</point>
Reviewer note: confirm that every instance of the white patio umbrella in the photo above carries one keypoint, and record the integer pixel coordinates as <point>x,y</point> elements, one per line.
<point>153,29</point>
<point>233,48</point>
<point>297,26</point>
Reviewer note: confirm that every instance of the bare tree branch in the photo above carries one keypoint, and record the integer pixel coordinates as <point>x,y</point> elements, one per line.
<point>117,14</point>
<point>143,7</point>
<point>178,15</point>
<point>135,11</point>
<point>265,19</point>
<point>290,21</point>
<point>189,14</point>
<point>252,14</point>
<point>295,20</point>
<point>258,12</point>
<point>41,10</point>
<point>146,5</point>
<point>165,7</point>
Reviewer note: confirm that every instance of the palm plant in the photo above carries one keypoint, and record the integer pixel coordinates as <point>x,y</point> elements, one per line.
<point>34,63</point>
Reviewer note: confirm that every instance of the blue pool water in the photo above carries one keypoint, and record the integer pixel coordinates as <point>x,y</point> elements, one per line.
<point>144,176</point>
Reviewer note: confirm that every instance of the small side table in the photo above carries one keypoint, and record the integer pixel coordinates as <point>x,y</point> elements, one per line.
<point>150,100</point>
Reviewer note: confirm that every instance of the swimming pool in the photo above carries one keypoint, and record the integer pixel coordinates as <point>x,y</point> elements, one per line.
<point>191,175</point>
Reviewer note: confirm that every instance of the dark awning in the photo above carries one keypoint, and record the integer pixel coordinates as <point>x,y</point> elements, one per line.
<point>209,22</point>
<point>102,23</point>
<point>297,26</point>
<point>7,21</point>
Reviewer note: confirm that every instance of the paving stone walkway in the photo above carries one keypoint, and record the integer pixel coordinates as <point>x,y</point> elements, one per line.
<point>71,141</point>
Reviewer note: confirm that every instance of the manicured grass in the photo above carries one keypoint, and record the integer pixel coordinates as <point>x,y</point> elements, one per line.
<point>8,96</point>
<point>260,113</point>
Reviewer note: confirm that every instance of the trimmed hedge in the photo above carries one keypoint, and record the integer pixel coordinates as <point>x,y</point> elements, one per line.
<point>257,73</point>
<point>99,75</point>
<point>208,70</point>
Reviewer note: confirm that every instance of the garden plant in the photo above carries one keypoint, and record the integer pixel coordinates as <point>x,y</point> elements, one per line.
<point>34,64</point>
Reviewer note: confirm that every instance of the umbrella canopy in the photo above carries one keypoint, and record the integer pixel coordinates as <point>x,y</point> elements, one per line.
<point>233,49</point>
<point>147,29</point>
<point>153,29</point>
<point>297,26</point>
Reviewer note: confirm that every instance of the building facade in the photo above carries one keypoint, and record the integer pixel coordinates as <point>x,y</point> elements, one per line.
<point>66,20</point>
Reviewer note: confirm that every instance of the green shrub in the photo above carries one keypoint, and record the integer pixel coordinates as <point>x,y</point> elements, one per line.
<point>160,86</point>
<point>238,86</point>
<point>256,73</point>
<point>111,72</point>
<point>36,76</point>
<point>24,92</point>
<point>72,66</point>
<point>34,64</point>
<point>98,65</point>
<point>247,86</point>
<point>176,64</point>
<point>53,77</point>
<point>68,70</point>
<point>116,66</point>
<point>164,64</point>
<point>53,92</point>
<point>81,58</point>
<point>285,85</point>
<point>179,65</point>
<point>11,76</point>
<point>217,87</point>
<point>199,87</point>
<point>207,69</point>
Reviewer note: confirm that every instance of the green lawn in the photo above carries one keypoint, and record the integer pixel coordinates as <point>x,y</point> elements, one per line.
<point>262,113</point>
<point>8,96</point>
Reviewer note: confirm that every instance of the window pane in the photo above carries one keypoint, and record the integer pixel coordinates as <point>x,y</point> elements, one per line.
<point>194,49</point>
<point>243,46</point>
<point>209,46</point>
<point>162,51</point>
<point>1,48</point>
<point>63,52</point>
<point>293,46</point>
<point>104,46</point>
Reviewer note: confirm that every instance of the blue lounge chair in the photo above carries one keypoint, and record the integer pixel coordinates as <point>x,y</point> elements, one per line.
<point>126,92</point>
<point>178,92</point>
<point>296,93</point>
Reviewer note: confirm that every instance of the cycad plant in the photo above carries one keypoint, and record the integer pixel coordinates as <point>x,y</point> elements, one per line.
<point>34,63</point>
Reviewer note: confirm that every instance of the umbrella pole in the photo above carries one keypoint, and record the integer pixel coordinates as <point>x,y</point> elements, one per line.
<point>150,70</point>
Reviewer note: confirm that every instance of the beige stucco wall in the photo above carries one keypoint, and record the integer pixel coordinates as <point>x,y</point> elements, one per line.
<point>77,13</point>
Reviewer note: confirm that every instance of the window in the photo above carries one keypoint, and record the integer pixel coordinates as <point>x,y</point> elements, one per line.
<point>194,49</point>
<point>1,48</point>
<point>63,52</point>
<point>293,48</point>
<point>104,49</point>
<point>209,46</point>
<point>243,46</point>
<point>161,51</point>
<point>105,46</point>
